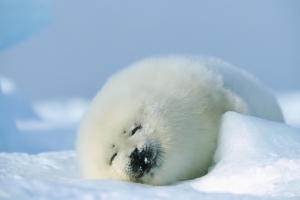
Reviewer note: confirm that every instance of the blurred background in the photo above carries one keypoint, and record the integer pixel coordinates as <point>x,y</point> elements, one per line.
<point>87,41</point>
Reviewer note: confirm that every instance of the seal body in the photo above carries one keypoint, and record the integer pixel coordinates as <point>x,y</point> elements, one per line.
<point>157,121</point>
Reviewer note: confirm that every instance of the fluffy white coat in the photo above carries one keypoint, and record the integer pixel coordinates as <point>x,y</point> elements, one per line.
<point>178,101</point>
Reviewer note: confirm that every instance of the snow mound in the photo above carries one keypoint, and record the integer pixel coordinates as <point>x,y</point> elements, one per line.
<point>255,159</point>
<point>255,156</point>
<point>290,105</point>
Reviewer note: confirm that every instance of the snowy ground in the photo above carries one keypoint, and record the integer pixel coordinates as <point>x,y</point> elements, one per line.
<point>256,159</point>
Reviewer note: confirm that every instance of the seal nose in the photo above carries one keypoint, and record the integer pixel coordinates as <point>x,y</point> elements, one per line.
<point>140,162</point>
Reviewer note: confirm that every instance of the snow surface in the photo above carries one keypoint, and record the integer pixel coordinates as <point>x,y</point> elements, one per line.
<point>290,104</point>
<point>255,156</point>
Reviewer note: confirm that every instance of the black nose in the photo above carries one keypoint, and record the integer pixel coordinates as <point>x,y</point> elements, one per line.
<point>141,162</point>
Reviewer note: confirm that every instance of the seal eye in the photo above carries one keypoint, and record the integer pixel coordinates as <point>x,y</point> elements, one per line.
<point>135,129</point>
<point>112,158</point>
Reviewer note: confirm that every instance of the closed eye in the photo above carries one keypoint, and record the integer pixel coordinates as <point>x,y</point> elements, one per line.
<point>112,158</point>
<point>136,129</point>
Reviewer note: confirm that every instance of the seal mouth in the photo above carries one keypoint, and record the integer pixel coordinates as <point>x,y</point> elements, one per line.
<point>142,162</point>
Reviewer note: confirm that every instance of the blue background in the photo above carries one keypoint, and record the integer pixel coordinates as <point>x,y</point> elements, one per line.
<point>87,41</point>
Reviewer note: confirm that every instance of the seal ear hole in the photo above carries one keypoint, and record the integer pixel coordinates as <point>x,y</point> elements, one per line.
<point>113,146</point>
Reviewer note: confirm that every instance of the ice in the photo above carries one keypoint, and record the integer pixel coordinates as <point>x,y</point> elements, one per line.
<point>19,19</point>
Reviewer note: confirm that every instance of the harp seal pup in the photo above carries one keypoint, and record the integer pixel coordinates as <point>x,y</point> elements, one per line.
<point>157,121</point>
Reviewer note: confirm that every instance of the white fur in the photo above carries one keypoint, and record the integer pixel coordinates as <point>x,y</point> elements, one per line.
<point>179,102</point>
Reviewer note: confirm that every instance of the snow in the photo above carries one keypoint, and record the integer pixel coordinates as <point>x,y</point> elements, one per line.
<point>255,156</point>
<point>55,175</point>
<point>290,104</point>
<point>103,189</point>
<point>54,166</point>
